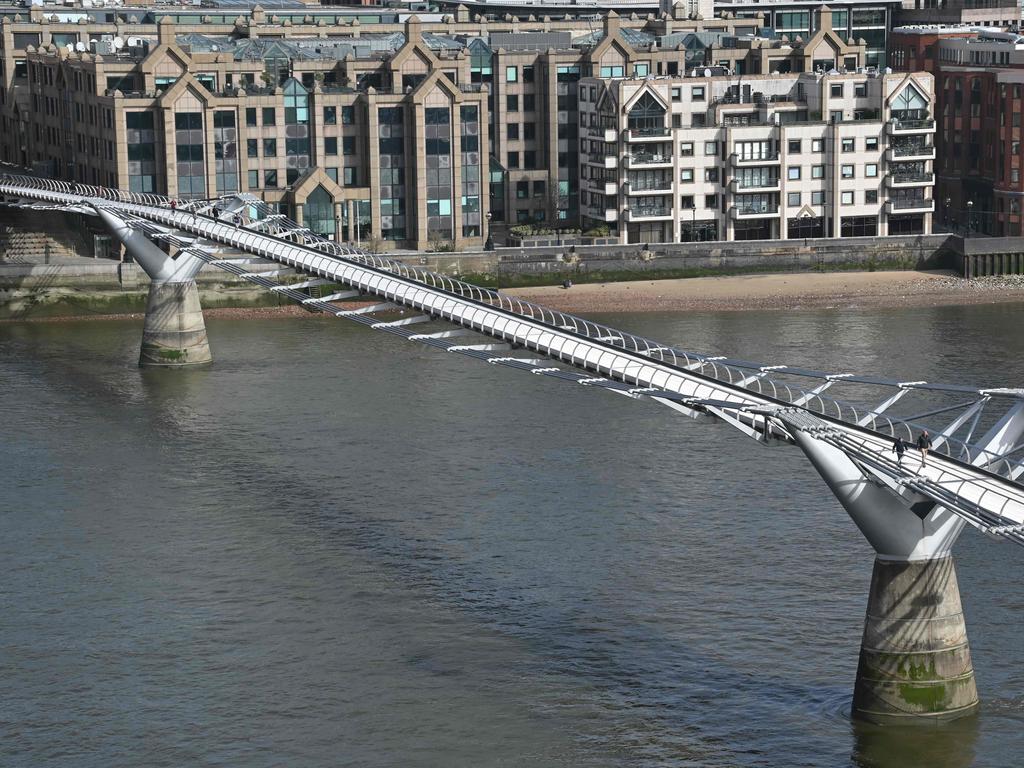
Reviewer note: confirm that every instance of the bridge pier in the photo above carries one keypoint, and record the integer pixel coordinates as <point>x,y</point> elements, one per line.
<point>915,661</point>
<point>174,333</point>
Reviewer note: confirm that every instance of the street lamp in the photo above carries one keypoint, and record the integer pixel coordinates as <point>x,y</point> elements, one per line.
<point>945,205</point>
<point>970,216</point>
<point>488,240</point>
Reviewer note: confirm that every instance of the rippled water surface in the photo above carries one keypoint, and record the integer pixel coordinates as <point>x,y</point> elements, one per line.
<point>334,548</point>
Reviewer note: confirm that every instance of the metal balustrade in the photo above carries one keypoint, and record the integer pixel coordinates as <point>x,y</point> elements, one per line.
<point>742,375</point>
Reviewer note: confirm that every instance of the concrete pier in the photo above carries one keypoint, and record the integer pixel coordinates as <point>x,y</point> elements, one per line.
<point>174,334</point>
<point>915,662</point>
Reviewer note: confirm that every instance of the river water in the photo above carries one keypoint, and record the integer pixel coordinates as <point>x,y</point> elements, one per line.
<point>335,548</point>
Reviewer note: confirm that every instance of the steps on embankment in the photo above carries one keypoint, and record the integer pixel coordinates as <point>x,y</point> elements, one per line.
<point>43,237</point>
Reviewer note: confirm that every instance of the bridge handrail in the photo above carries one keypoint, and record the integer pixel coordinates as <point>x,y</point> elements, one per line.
<point>704,364</point>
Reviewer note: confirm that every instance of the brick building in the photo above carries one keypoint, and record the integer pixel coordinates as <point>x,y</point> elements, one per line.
<point>979,76</point>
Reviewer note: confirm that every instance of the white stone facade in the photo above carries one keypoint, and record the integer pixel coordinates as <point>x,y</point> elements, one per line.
<point>725,157</point>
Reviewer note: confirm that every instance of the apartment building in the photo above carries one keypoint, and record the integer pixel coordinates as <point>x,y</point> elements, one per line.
<point>979,78</point>
<point>718,157</point>
<point>395,151</point>
<point>407,136</point>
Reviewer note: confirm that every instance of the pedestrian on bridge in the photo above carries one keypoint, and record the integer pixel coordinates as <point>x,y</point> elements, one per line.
<point>899,447</point>
<point>924,444</point>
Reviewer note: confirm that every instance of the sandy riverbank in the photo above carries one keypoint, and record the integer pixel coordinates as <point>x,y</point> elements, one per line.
<point>838,290</point>
<point>789,291</point>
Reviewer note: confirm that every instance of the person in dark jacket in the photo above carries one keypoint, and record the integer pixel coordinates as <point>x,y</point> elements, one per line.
<point>899,448</point>
<point>924,444</point>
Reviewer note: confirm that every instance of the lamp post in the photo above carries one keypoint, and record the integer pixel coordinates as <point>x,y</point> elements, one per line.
<point>970,216</point>
<point>945,204</point>
<point>488,240</point>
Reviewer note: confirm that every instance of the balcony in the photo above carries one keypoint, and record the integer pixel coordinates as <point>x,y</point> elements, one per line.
<point>602,214</point>
<point>756,211</point>
<point>648,213</point>
<point>738,186</point>
<point>648,160</point>
<point>648,134</point>
<point>608,135</point>
<point>907,127</point>
<point>603,186</point>
<point>648,187</point>
<point>745,161</point>
<point>603,160</point>
<point>909,153</point>
<point>901,207</point>
<point>902,180</point>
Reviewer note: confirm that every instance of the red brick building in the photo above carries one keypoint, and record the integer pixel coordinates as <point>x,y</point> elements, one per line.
<point>979,77</point>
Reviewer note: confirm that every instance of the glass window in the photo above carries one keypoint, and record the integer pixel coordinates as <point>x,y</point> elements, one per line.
<point>254,179</point>
<point>871,170</point>
<point>793,173</point>
<point>846,198</point>
<point>269,116</point>
<point>697,93</point>
<point>871,143</point>
<point>270,147</point>
<point>849,145</point>
<point>817,171</point>
<point>817,198</point>
<point>817,145</point>
<point>330,145</point>
<point>270,179</point>
<point>710,147</point>
<point>348,115</point>
<point>871,196</point>
<point>795,146</point>
<point>250,116</point>
<point>512,103</point>
<point>686,149</point>
<point>252,147</point>
<point>793,199</point>
<point>511,74</point>
<point>846,171</point>
<point>330,115</point>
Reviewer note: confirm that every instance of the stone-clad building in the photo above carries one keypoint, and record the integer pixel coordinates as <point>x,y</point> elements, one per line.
<point>412,135</point>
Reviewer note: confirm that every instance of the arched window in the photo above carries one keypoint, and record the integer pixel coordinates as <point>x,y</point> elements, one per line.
<point>318,212</point>
<point>646,114</point>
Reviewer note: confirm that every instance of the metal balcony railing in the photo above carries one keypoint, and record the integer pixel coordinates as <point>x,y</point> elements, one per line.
<point>902,204</point>
<point>913,178</point>
<point>913,150</point>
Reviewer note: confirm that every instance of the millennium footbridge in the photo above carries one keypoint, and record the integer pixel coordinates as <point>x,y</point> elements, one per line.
<point>915,663</point>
